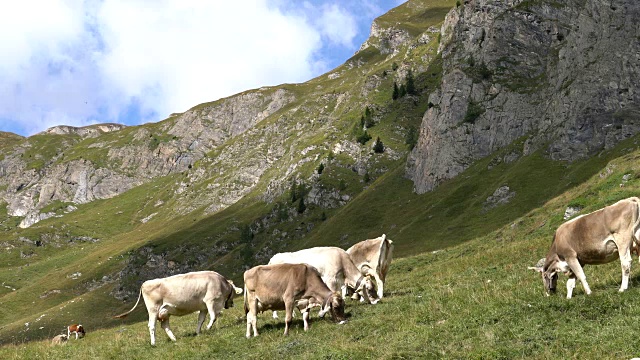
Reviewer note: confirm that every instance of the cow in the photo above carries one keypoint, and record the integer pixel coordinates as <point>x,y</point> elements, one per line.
<point>373,257</point>
<point>595,238</point>
<point>203,291</point>
<point>76,329</point>
<point>285,286</point>
<point>336,269</point>
<point>59,339</point>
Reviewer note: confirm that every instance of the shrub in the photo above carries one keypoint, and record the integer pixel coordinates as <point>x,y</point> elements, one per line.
<point>363,137</point>
<point>402,91</point>
<point>483,71</point>
<point>396,91</point>
<point>474,110</point>
<point>394,66</point>
<point>411,138</point>
<point>320,168</point>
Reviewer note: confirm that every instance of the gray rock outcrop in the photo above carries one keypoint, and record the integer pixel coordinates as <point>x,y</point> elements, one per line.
<point>564,74</point>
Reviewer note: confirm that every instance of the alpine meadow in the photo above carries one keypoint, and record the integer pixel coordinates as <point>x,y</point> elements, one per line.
<point>466,131</point>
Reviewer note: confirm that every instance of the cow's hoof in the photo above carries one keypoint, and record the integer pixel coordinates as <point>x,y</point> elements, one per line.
<point>342,322</point>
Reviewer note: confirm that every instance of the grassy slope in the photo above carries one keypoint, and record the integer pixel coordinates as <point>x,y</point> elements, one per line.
<point>472,300</point>
<point>429,287</point>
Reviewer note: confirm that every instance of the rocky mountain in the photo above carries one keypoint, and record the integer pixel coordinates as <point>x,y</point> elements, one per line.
<point>439,87</point>
<point>564,75</point>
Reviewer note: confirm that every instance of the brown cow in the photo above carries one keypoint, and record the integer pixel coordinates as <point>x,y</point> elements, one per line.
<point>596,238</point>
<point>285,286</point>
<point>335,267</point>
<point>373,257</point>
<point>76,329</point>
<point>204,291</point>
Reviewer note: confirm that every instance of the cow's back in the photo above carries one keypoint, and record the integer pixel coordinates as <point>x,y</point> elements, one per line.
<point>376,253</point>
<point>269,283</point>
<point>186,289</point>
<point>587,235</point>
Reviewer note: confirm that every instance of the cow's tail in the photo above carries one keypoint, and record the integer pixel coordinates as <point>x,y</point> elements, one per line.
<point>133,308</point>
<point>246,306</point>
<point>636,225</point>
<point>235,288</point>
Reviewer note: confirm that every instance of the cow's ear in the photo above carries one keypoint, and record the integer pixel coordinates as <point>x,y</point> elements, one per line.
<point>538,266</point>
<point>535,268</point>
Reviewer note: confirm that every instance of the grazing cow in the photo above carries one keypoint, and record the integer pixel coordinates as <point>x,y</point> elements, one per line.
<point>285,286</point>
<point>59,339</point>
<point>373,257</point>
<point>336,269</point>
<point>596,238</point>
<point>75,329</point>
<point>203,291</point>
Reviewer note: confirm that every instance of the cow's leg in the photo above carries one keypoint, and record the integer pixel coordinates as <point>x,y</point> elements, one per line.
<point>275,315</point>
<point>305,319</point>
<point>625,263</point>
<point>152,326</point>
<point>201,316</point>
<point>165,325</point>
<point>577,270</point>
<point>571,284</point>
<point>288,308</point>
<point>212,314</point>
<point>248,334</point>
<point>252,318</point>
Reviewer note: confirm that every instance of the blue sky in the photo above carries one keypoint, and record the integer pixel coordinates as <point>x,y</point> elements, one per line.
<point>82,62</point>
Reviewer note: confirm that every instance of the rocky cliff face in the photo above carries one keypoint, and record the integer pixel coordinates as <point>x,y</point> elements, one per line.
<point>563,74</point>
<point>29,182</point>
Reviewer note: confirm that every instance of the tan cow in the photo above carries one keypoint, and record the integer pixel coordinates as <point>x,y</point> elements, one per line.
<point>60,339</point>
<point>373,257</point>
<point>336,269</point>
<point>285,286</point>
<point>596,238</point>
<point>203,291</point>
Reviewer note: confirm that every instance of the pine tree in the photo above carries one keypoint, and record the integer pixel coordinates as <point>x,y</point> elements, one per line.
<point>402,91</point>
<point>246,252</point>
<point>396,92</point>
<point>301,206</point>
<point>378,147</point>
<point>293,192</point>
<point>368,118</point>
<point>411,86</point>
<point>320,168</point>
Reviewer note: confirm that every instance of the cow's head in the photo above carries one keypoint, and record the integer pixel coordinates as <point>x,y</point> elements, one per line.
<point>368,290</point>
<point>334,304</point>
<point>549,271</point>
<point>228,303</point>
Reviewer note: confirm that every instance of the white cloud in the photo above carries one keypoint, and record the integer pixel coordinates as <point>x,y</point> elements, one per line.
<point>338,25</point>
<point>79,62</point>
